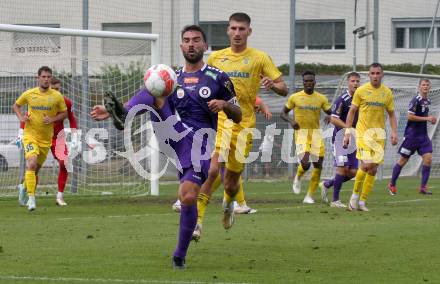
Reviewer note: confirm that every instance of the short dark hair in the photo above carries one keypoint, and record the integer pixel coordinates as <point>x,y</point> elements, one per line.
<point>424,80</point>
<point>308,72</point>
<point>375,65</point>
<point>240,17</point>
<point>55,81</point>
<point>193,28</point>
<point>44,68</point>
<point>353,74</point>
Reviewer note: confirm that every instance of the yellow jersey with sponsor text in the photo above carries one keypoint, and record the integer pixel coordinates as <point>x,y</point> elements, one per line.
<point>40,104</point>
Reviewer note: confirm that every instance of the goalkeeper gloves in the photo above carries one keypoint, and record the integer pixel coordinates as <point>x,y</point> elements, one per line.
<point>115,109</point>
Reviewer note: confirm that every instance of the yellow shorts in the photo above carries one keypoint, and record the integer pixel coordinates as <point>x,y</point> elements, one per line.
<point>370,150</point>
<point>233,145</point>
<point>308,141</point>
<point>33,149</point>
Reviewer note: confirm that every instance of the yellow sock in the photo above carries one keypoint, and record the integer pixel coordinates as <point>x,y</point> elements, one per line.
<point>300,171</point>
<point>359,181</point>
<point>367,187</point>
<point>31,182</point>
<point>202,203</point>
<point>240,195</point>
<point>314,181</point>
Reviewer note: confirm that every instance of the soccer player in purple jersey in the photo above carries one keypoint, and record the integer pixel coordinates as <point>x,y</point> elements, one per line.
<point>203,92</point>
<point>416,137</point>
<point>345,158</point>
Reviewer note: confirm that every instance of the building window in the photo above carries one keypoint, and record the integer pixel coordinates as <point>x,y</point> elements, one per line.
<point>320,35</point>
<point>216,34</point>
<point>413,34</point>
<point>120,47</point>
<point>36,44</point>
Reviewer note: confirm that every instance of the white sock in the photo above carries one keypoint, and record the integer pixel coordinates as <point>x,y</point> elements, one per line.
<point>59,195</point>
<point>361,203</point>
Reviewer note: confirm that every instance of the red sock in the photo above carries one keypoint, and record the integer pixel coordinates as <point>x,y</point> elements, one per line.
<point>62,177</point>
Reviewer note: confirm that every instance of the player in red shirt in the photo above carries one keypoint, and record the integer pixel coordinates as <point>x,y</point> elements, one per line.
<point>58,127</point>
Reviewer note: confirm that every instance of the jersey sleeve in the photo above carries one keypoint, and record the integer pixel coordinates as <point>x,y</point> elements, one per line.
<point>22,99</point>
<point>227,91</point>
<point>337,107</point>
<point>413,105</point>
<point>325,104</point>
<point>70,114</point>
<point>61,105</point>
<point>269,68</point>
<point>290,104</point>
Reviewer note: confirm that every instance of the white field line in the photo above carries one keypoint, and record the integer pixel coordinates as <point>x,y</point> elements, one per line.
<point>412,200</point>
<point>104,280</point>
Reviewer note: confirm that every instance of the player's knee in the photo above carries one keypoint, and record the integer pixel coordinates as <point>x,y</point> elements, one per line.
<point>351,173</point>
<point>372,171</point>
<point>305,166</point>
<point>188,197</point>
<point>402,161</point>
<point>231,186</point>
<point>31,164</point>
<point>427,160</point>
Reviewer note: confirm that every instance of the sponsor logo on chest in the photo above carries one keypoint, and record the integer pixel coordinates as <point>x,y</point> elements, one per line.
<point>205,92</point>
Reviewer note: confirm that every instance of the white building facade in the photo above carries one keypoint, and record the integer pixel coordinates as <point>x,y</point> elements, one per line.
<point>324,31</point>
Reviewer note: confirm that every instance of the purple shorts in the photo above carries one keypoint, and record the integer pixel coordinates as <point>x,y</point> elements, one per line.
<point>422,145</point>
<point>192,175</point>
<point>344,157</point>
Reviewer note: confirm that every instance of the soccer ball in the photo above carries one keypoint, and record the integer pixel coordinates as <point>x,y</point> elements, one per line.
<point>160,80</point>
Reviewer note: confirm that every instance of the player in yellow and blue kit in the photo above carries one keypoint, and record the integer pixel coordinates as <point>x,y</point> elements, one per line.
<point>248,68</point>
<point>306,106</point>
<point>45,106</point>
<point>371,100</point>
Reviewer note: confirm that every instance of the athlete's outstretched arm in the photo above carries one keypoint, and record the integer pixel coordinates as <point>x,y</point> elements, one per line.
<point>285,117</point>
<point>429,118</point>
<point>17,110</point>
<point>231,110</point>
<point>278,85</point>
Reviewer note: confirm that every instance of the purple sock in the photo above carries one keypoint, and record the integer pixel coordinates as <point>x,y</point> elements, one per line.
<point>338,180</point>
<point>329,183</point>
<point>396,172</point>
<point>188,221</point>
<point>425,175</point>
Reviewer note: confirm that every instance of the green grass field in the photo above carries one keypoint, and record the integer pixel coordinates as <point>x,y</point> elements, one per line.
<point>121,239</point>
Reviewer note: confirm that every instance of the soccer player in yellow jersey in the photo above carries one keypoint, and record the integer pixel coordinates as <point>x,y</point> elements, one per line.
<point>45,106</point>
<point>306,106</point>
<point>371,100</point>
<point>248,68</point>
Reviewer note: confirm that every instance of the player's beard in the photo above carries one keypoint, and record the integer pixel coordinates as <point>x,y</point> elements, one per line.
<point>196,57</point>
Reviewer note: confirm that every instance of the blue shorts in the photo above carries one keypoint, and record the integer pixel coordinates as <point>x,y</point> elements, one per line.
<point>344,157</point>
<point>197,177</point>
<point>409,145</point>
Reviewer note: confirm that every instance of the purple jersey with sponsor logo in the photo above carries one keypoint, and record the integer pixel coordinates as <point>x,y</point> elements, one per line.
<point>195,91</point>
<point>418,106</point>
<point>340,109</point>
<point>176,133</point>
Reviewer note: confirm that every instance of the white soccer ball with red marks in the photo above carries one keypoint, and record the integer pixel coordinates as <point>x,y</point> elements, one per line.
<point>160,80</point>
